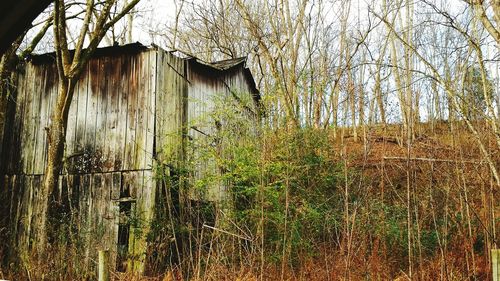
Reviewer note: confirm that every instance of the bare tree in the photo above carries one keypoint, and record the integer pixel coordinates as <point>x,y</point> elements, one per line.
<point>69,69</point>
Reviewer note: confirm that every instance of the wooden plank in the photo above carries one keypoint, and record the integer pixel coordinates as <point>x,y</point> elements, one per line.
<point>139,231</point>
<point>103,274</point>
<point>123,99</point>
<point>146,208</point>
<point>108,215</point>
<point>495,264</point>
<point>91,115</point>
<point>98,198</point>
<point>113,93</point>
<point>15,142</point>
<point>20,183</point>
<point>81,117</point>
<point>115,210</point>
<point>143,97</point>
<point>35,120</point>
<point>116,185</point>
<point>40,118</point>
<point>133,88</point>
<point>10,197</point>
<point>16,195</point>
<point>99,157</point>
<point>171,91</point>
<point>131,188</point>
<point>27,127</point>
<point>150,110</point>
<point>50,96</point>
<point>159,88</point>
<point>148,196</point>
<point>33,216</point>
<point>98,239</point>
<point>87,210</point>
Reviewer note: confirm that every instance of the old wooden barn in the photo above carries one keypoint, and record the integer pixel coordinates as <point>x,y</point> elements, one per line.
<point>134,107</point>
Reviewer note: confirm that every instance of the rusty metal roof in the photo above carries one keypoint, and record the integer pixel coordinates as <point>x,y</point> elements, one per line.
<point>16,17</point>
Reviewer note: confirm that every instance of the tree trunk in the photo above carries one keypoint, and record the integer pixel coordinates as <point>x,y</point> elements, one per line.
<point>56,136</point>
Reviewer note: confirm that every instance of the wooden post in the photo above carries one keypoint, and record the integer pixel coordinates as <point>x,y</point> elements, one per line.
<point>103,265</point>
<point>495,264</point>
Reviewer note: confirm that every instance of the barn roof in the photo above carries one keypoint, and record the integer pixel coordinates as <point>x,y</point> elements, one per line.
<point>210,68</point>
<point>223,64</point>
<point>132,48</point>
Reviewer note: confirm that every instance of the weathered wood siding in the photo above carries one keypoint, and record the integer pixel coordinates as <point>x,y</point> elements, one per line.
<point>171,101</point>
<point>131,110</point>
<point>205,86</point>
<point>108,152</point>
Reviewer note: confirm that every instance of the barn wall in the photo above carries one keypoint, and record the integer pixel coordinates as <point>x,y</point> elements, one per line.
<point>171,99</point>
<point>108,153</point>
<point>204,87</point>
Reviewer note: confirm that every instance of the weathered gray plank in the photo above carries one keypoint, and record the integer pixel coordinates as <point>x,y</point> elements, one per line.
<point>122,103</point>
<point>40,119</point>
<point>36,108</point>
<point>27,131</point>
<point>87,223</point>
<point>101,129</point>
<point>171,88</point>
<point>113,95</point>
<point>49,99</point>
<point>92,129</point>
<point>81,100</point>
<point>130,150</point>
<point>115,212</point>
<point>495,264</point>
<point>143,96</point>
<point>108,215</point>
<point>143,213</point>
<point>116,185</point>
<point>150,110</point>
<point>14,154</point>
<point>33,218</point>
